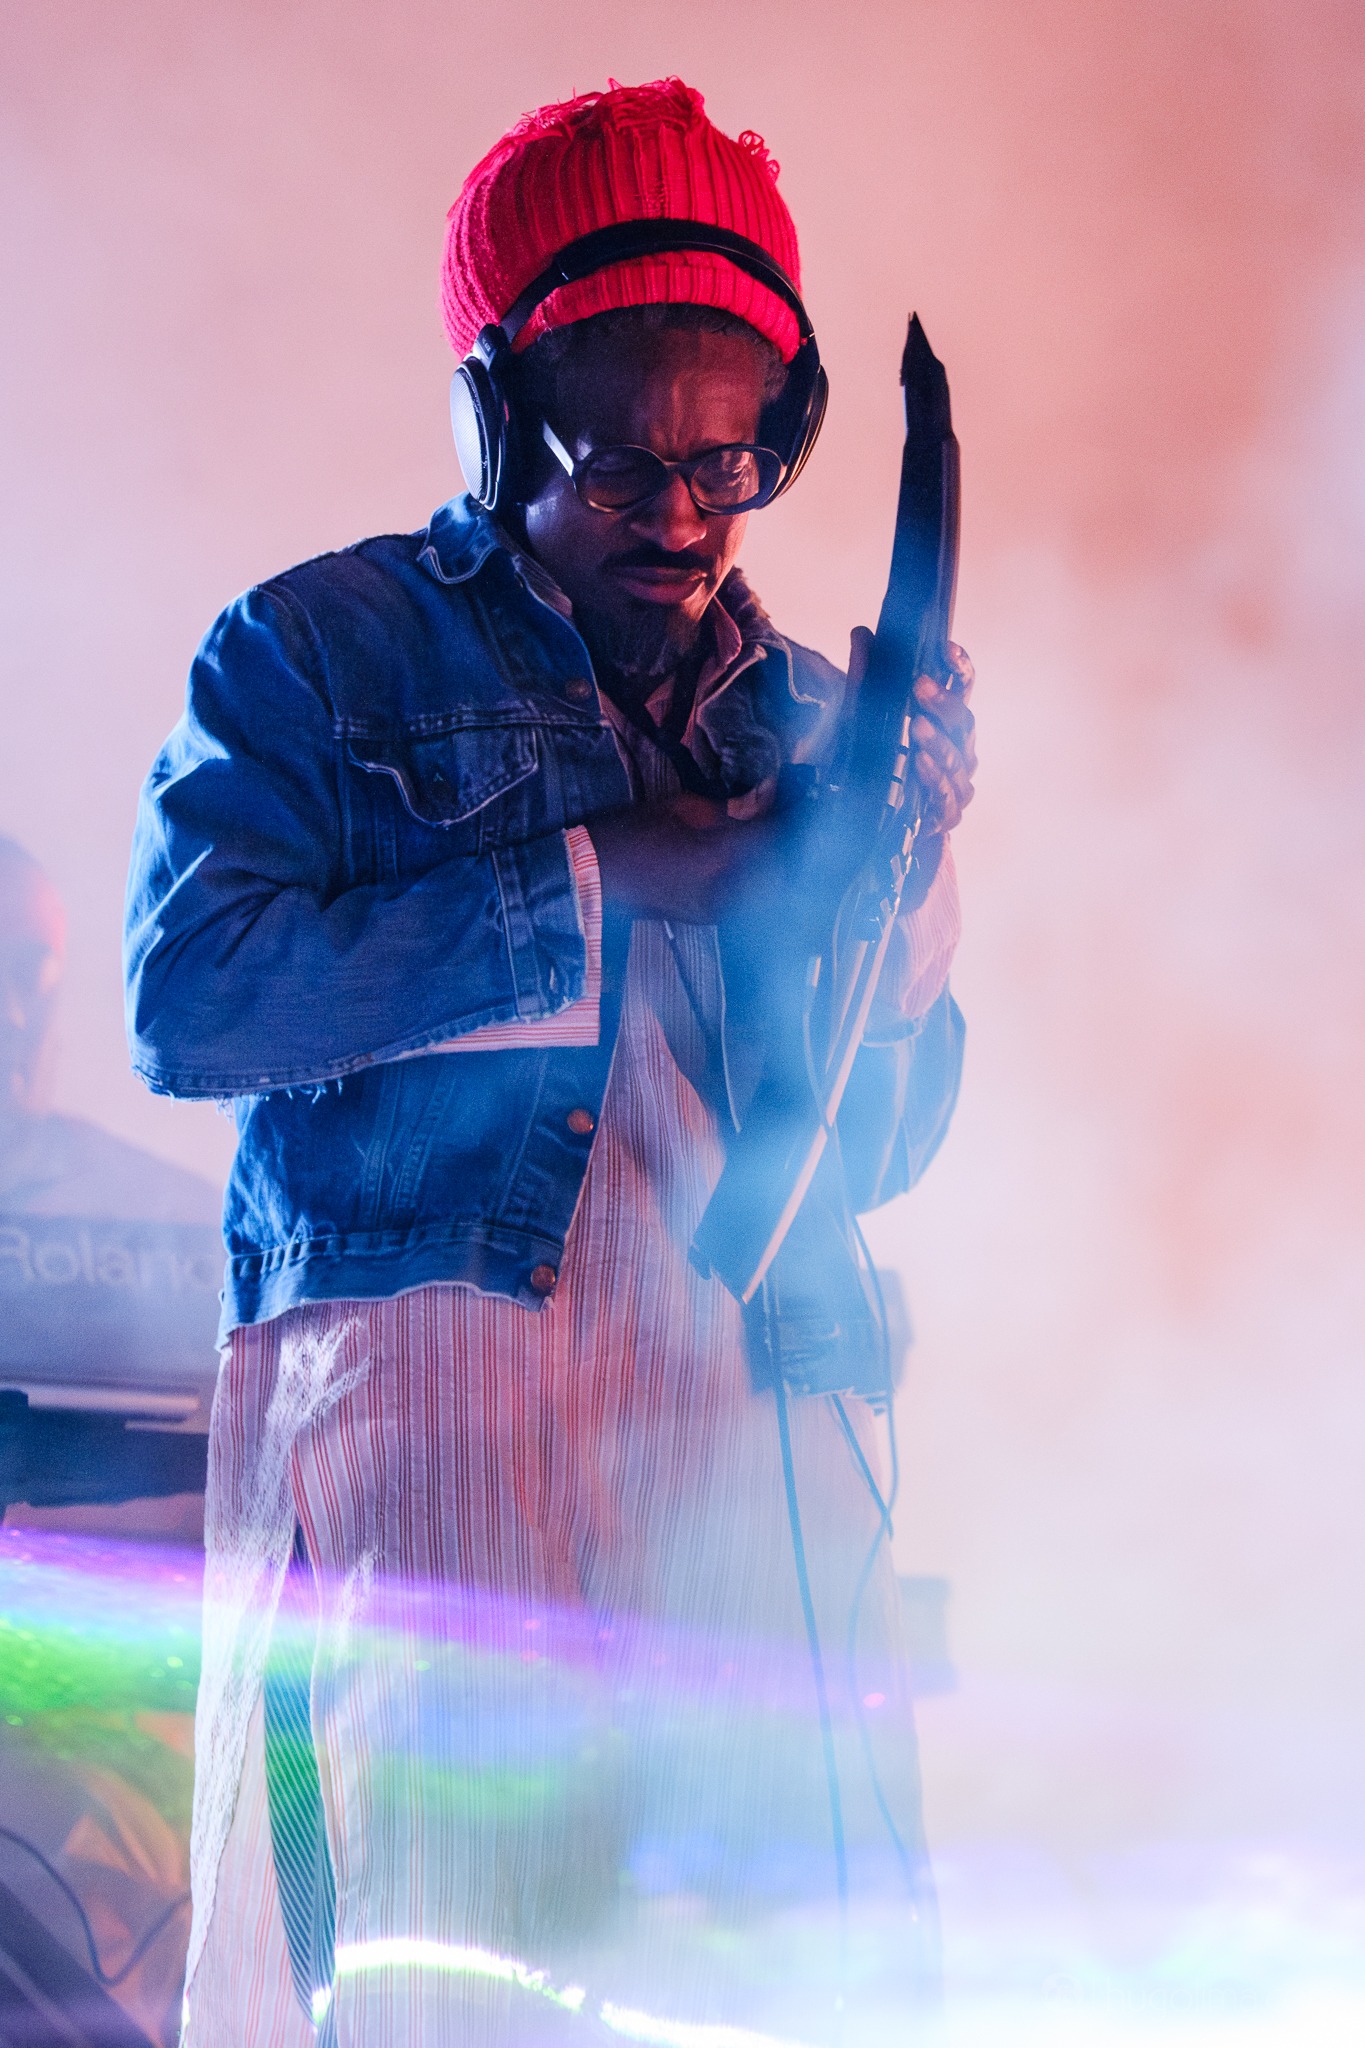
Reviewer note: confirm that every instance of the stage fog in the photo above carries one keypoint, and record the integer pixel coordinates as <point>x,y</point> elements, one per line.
<point>1133,1419</point>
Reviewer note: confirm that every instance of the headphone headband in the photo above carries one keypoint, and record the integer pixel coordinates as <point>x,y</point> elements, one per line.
<point>623,240</point>
<point>483,415</point>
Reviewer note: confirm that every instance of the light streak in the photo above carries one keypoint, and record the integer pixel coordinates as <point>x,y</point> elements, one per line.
<point>86,1624</point>
<point>660,2033</point>
<point>115,1624</point>
<point>360,1958</point>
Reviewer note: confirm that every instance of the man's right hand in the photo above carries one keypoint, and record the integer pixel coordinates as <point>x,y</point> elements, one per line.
<point>687,859</point>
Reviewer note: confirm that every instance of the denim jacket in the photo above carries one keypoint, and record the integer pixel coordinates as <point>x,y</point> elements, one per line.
<point>352,849</point>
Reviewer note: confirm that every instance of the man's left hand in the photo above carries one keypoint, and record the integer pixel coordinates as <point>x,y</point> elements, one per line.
<point>944,733</point>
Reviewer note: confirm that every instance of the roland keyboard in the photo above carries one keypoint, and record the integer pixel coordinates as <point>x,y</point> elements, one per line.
<point>107,1357</point>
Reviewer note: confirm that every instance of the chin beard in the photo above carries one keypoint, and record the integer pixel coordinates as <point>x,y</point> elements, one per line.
<point>646,640</point>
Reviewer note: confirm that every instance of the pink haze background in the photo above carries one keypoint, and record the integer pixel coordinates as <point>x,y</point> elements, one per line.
<point>1134,1430</point>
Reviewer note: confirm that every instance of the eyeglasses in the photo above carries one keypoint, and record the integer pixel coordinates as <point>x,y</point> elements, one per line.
<point>734,478</point>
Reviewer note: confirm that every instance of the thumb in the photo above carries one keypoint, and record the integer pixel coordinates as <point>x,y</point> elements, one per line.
<point>859,653</point>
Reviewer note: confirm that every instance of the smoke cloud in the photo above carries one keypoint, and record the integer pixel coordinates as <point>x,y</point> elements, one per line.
<point>1134,1426</point>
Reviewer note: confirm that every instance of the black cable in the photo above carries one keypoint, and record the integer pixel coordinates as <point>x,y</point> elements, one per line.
<point>903,1856</point>
<point>158,1927</point>
<point>817,1661</point>
<point>913,1869</point>
<point>884,1507</point>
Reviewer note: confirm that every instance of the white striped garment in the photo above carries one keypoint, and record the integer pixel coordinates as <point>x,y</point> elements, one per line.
<point>562,1693</point>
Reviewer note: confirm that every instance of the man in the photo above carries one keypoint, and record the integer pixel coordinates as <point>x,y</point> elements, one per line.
<point>440,879</point>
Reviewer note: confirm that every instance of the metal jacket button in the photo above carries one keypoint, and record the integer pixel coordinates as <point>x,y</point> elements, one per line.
<point>579,689</point>
<point>580,1122</point>
<point>543,1279</point>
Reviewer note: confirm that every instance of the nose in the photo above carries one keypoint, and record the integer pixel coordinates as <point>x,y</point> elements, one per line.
<point>671,520</point>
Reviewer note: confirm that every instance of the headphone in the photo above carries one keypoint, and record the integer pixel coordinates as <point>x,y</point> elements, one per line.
<point>483,415</point>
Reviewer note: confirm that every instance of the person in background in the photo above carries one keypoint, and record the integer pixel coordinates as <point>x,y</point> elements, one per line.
<point>451,877</point>
<point>74,1174</point>
<point>51,1164</point>
<point>98,1787</point>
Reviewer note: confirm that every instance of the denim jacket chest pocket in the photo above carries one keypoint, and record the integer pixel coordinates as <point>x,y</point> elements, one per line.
<point>420,792</point>
<point>427,794</point>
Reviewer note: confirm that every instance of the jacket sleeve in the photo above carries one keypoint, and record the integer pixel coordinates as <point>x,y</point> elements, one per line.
<point>250,964</point>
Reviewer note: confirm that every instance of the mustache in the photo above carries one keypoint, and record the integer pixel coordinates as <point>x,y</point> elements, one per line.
<point>647,557</point>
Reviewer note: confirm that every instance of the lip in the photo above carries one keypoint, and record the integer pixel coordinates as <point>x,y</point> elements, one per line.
<point>661,586</point>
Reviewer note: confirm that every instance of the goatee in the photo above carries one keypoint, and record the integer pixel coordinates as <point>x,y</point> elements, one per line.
<point>648,641</point>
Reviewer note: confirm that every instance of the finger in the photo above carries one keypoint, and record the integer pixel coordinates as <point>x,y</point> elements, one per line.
<point>957,770</point>
<point>950,711</point>
<point>960,732</point>
<point>859,652</point>
<point>952,764</point>
<point>942,705</point>
<point>939,807</point>
<point>943,795</point>
<point>964,675</point>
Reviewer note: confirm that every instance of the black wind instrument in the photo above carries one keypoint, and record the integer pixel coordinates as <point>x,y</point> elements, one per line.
<point>868,801</point>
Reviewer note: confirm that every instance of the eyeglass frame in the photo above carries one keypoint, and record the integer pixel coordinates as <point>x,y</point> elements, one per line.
<point>575,471</point>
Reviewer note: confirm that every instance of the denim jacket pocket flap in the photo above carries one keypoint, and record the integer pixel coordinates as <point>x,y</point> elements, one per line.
<point>445,778</point>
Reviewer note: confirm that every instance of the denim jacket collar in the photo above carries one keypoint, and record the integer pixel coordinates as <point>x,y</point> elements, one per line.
<point>458,541</point>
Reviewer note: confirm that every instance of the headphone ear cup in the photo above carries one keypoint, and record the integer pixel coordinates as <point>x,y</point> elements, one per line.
<point>810,426</point>
<point>475,426</point>
<point>792,422</point>
<point>483,421</point>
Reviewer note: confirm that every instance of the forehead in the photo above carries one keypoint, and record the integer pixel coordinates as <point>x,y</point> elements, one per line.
<point>672,390</point>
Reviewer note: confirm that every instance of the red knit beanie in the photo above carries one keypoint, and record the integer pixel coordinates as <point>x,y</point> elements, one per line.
<point>643,152</point>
